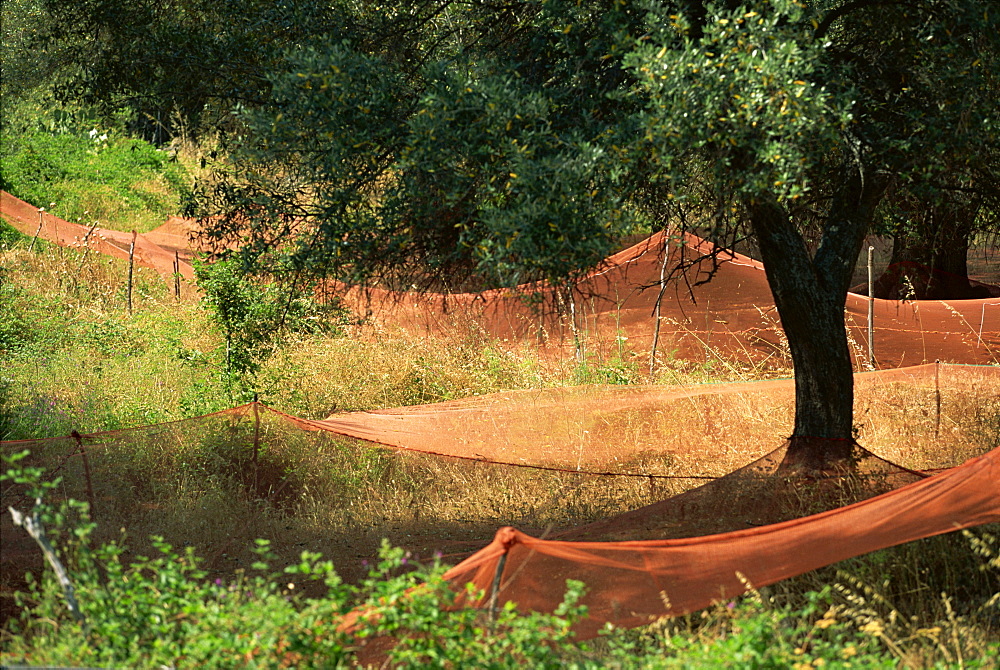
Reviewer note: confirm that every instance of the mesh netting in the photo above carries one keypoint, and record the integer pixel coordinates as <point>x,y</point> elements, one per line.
<point>633,583</point>
<point>693,481</point>
<point>625,304</point>
<point>166,249</point>
<point>653,430</point>
<point>636,467</point>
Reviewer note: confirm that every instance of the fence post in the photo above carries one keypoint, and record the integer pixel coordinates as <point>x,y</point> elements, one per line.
<point>256,443</point>
<point>937,398</point>
<point>86,470</point>
<point>577,341</point>
<point>177,276</point>
<point>131,265</point>
<point>659,300</point>
<point>41,215</point>
<point>871,310</point>
<point>495,591</point>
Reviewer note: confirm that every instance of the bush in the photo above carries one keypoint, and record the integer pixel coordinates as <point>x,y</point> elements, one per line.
<point>166,611</point>
<point>96,176</point>
<point>256,317</point>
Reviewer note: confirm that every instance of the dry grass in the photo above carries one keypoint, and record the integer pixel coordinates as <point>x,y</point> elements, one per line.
<point>104,369</point>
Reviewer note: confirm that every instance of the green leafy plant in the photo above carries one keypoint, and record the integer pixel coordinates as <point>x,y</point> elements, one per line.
<point>255,317</point>
<point>166,610</point>
<point>94,175</point>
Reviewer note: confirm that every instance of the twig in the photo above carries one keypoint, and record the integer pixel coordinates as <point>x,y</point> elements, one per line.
<point>34,527</point>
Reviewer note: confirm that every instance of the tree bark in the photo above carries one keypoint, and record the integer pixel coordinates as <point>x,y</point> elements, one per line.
<point>930,258</point>
<point>810,292</point>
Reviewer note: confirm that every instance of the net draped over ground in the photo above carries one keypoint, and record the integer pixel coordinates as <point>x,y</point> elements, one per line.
<point>634,583</point>
<point>732,317</point>
<point>736,524</point>
<point>746,522</point>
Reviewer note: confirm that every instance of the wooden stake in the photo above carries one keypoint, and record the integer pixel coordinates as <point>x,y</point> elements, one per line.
<point>937,398</point>
<point>659,300</point>
<point>578,343</point>
<point>86,470</point>
<point>495,592</point>
<point>256,443</point>
<point>41,214</point>
<point>177,276</point>
<point>871,311</point>
<point>131,265</point>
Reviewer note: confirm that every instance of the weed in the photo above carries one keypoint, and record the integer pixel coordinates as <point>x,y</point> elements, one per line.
<point>94,176</point>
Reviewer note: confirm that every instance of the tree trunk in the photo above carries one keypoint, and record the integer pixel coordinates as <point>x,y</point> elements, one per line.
<point>810,292</point>
<point>929,257</point>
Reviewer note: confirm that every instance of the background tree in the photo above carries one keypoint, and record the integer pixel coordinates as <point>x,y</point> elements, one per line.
<point>432,142</point>
<point>931,239</point>
<point>164,62</point>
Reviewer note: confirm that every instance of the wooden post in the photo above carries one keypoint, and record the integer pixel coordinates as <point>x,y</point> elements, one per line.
<point>577,342</point>
<point>256,444</point>
<point>871,311</point>
<point>131,265</point>
<point>982,320</point>
<point>495,591</point>
<point>177,276</point>
<point>937,398</point>
<point>86,470</point>
<point>659,300</point>
<point>41,215</point>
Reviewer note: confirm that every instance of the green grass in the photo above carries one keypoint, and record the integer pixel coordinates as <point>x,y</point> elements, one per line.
<point>102,177</point>
<point>75,359</point>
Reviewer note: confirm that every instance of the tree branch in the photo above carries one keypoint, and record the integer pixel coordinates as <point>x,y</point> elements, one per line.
<point>33,525</point>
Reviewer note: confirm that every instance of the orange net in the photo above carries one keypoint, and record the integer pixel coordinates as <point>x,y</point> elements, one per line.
<point>166,249</point>
<point>634,583</point>
<point>573,496</point>
<point>645,429</point>
<point>618,464</point>
<point>715,310</point>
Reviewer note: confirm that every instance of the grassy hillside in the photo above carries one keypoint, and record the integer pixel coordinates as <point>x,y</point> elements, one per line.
<point>75,359</point>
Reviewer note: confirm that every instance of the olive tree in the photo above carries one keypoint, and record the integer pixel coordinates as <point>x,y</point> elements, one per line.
<point>508,142</point>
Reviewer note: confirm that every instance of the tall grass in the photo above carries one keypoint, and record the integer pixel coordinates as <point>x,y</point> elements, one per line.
<point>76,360</point>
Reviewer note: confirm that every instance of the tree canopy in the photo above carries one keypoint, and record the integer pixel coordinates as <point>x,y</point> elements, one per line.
<point>437,142</point>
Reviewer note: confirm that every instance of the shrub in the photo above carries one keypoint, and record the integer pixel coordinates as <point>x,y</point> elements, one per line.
<point>94,176</point>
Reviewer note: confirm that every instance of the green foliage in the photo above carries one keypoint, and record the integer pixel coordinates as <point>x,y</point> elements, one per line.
<point>483,149</point>
<point>9,236</point>
<point>23,69</point>
<point>749,635</point>
<point>615,370</point>
<point>167,65</point>
<point>165,610</point>
<point>255,318</point>
<point>745,94</point>
<point>93,176</point>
